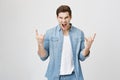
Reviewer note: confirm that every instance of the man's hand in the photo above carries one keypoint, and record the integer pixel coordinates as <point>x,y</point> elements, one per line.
<point>88,44</point>
<point>39,38</point>
<point>89,41</point>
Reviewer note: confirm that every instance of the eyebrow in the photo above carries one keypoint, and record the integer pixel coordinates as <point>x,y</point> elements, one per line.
<point>65,17</point>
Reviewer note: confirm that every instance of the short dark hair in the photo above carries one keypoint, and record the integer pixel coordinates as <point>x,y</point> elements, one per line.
<point>63,8</point>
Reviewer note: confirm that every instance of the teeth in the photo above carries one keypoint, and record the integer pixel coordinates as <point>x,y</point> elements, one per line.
<point>63,24</point>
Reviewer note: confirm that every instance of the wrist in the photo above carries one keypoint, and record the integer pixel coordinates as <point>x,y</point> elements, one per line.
<point>86,48</point>
<point>86,52</point>
<point>40,44</point>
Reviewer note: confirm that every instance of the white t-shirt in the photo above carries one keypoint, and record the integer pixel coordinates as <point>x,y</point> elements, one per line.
<point>67,65</point>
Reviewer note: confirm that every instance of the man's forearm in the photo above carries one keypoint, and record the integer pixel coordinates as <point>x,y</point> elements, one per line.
<point>86,52</point>
<point>41,50</point>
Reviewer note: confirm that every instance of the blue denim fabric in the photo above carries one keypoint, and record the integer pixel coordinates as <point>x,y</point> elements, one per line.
<point>68,77</point>
<point>53,42</point>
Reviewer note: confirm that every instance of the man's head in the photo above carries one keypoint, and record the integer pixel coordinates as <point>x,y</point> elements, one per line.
<point>64,15</point>
<point>63,8</point>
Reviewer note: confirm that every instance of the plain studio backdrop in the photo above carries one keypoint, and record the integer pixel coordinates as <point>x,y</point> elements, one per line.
<point>18,46</point>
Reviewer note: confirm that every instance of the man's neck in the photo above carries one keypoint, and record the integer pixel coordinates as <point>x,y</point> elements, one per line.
<point>66,33</point>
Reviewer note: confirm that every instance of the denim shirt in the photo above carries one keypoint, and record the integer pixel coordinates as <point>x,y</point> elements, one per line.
<point>53,42</point>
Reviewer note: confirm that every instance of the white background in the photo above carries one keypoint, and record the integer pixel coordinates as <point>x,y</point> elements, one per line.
<point>18,46</point>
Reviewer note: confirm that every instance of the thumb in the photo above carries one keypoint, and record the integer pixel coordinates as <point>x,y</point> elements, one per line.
<point>86,39</point>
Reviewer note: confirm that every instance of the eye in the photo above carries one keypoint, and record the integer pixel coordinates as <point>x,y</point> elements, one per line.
<point>60,17</point>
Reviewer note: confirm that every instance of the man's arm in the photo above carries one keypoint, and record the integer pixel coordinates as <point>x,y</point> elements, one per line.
<point>40,41</point>
<point>88,45</point>
<point>41,50</point>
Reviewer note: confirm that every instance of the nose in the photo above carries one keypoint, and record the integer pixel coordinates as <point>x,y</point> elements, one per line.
<point>63,20</point>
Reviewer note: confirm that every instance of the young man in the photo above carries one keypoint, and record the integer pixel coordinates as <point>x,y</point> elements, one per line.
<point>64,44</point>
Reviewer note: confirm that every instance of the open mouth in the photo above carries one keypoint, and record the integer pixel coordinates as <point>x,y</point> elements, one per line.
<point>64,26</point>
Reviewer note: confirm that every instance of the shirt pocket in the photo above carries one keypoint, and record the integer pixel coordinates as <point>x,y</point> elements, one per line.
<point>54,42</point>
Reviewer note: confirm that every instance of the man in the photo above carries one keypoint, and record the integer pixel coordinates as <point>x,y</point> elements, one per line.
<point>64,44</point>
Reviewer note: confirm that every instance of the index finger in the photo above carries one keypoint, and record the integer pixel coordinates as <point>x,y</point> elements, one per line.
<point>36,32</point>
<point>94,36</point>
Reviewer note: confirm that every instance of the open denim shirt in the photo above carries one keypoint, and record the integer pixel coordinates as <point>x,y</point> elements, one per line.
<point>53,42</point>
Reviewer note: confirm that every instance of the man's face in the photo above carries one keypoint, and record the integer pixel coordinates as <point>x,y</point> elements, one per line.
<point>64,20</point>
